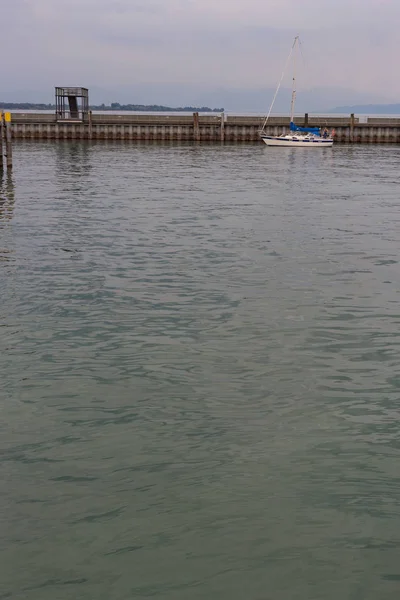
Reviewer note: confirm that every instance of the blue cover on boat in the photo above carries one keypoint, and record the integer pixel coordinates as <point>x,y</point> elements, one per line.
<point>314,130</point>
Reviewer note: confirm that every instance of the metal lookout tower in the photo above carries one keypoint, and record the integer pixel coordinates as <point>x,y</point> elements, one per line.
<point>72,104</point>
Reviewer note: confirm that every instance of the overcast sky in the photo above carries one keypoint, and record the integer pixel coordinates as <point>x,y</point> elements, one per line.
<point>123,45</point>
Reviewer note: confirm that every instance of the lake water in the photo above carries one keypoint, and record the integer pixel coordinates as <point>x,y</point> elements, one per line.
<point>200,373</point>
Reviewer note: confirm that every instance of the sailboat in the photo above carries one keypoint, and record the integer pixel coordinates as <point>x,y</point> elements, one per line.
<point>306,137</point>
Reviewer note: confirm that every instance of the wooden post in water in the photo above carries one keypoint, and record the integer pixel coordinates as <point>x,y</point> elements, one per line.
<point>222,127</point>
<point>306,120</point>
<point>352,127</point>
<point>90,125</point>
<point>1,141</point>
<point>196,127</point>
<point>9,159</point>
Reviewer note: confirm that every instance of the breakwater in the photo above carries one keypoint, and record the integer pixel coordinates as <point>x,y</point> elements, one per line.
<point>202,128</point>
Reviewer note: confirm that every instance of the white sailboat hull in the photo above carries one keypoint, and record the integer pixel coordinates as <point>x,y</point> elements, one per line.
<point>290,141</point>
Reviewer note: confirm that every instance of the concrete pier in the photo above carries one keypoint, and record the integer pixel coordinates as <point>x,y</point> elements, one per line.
<point>203,128</point>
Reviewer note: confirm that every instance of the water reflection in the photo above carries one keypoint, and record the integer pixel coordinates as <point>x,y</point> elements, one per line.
<point>73,169</point>
<point>7,201</point>
<point>7,197</point>
<point>73,158</point>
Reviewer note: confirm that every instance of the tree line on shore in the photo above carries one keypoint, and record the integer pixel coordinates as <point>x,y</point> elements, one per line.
<point>113,106</point>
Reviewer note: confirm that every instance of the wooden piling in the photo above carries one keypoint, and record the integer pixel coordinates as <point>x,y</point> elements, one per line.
<point>196,127</point>
<point>9,158</point>
<point>306,120</point>
<point>90,125</point>
<point>222,127</point>
<point>1,141</point>
<point>352,120</point>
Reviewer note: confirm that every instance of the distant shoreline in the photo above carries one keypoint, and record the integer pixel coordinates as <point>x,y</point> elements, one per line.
<point>370,109</point>
<point>115,106</point>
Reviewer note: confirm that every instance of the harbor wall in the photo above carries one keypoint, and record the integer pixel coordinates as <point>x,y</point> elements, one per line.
<point>205,128</point>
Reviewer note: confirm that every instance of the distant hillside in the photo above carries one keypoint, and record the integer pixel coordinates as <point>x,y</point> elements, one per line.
<point>368,109</point>
<point>113,106</point>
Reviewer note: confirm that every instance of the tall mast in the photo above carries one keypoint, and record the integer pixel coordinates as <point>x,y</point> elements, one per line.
<point>294,47</point>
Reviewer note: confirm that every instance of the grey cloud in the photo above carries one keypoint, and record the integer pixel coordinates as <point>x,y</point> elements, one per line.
<point>232,44</point>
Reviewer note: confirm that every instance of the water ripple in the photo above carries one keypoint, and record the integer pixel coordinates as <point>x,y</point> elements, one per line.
<point>200,357</point>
